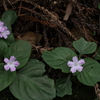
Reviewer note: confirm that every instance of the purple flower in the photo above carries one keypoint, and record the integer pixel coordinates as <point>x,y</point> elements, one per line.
<point>11,64</point>
<point>75,64</point>
<point>1,26</point>
<point>4,32</point>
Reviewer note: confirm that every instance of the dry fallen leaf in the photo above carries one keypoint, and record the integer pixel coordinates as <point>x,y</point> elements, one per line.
<point>31,37</point>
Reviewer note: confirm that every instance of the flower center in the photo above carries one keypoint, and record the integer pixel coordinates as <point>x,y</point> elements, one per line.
<point>10,63</point>
<point>75,64</point>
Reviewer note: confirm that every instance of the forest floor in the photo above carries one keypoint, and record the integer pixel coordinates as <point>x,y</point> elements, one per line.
<point>48,24</point>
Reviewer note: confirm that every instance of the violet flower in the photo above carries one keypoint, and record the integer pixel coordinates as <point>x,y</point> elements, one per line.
<point>1,26</point>
<point>75,64</point>
<point>4,32</point>
<point>11,64</point>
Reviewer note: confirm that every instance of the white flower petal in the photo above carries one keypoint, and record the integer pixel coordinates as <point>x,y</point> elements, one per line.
<point>81,62</point>
<point>75,60</point>
<point>6,60</point>
<point>6,67</point>
<point>7,32</point>
<point>5,36</point>
<point>11,64</point>
<point>70,64</point>
<point>12,58</point>
<point>2,29</point>
<point>12,69</point>
<point>79,68</point>
<point>4,32</point>
<point>1,23</point>
<point>16,63</point>
<point>5,28</point>
<point>73,69</point>
<point>0,35</point>
<point>75,64</point>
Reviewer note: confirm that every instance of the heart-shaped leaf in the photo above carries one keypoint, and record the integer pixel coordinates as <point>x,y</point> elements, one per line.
<point>58,58</point>
<point>6,77</point>
<point>84,47</point>
<point>21,50</point>
<point>9,17</point>
<point>91,72</point>
<point>64,86</point>
<point>3,48</point>
<point>29,83</point>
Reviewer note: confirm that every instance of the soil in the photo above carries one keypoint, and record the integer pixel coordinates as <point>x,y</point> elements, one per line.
<point>59,23</point>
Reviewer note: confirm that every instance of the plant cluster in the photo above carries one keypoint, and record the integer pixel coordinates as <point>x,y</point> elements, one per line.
<point>24,76</point>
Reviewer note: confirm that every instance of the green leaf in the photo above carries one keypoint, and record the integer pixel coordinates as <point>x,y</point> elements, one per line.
<point>3,48</point>
<point>21,50</point>
<point>10,39</point>
<point>84,47</point>
<point>91,72</point>
<point>97,56</point>
<point>58,58</point>
<point>64,86</point>
<point>34,68</point>
<point>99,6</point>
<point>29,83</point>
<point>8,23</point>
<point>9,17</point>
<point>6,77</point>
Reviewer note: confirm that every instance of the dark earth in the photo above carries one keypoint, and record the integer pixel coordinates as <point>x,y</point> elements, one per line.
<point>56,23</point>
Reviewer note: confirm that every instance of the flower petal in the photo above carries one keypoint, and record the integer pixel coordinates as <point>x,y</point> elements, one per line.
<point>6,67</point>
<point>5,28</point>
<point>16,63</point>
<point>0,35</point>
<point>70,63</point>
<point>79,68</point>
<point>12,68</point>
<point>81,62</point>
<point>7,32</point>
<point>12,58</point>
<point>1,23</point>
<point>73,69</point>
<point>75,60</point>
<point>6,60</point>
<point>2,29</point>
<point>5,36</point>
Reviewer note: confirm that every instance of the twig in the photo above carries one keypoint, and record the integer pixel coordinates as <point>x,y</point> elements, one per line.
<point>5,6</point>
<point>52,18</point>
<point>68,12</point>
<point>19,8</point>
<point>45,37</point>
